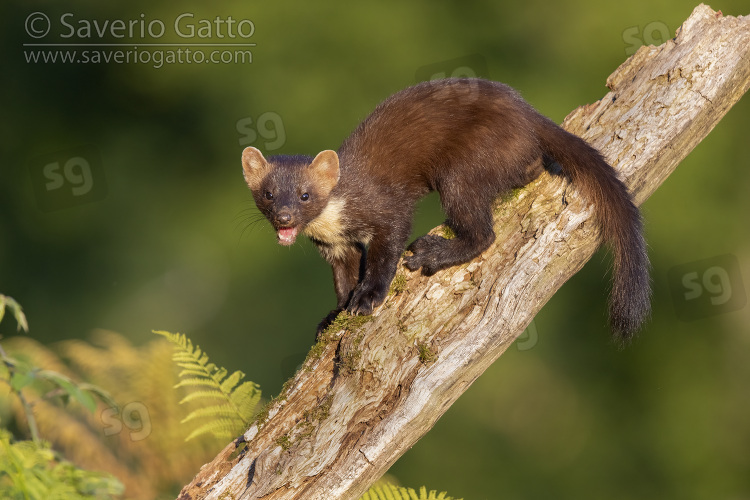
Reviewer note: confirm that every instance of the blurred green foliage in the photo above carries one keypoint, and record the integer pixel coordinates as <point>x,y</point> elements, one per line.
<point>33,471</point>
<point>166,244</point>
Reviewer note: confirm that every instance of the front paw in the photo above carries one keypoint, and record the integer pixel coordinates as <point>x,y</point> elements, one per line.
<point>365,299</point>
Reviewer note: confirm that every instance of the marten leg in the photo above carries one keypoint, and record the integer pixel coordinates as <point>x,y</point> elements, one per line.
<point>347,263</point>
<point>382,260</point>
<point>469,215</point>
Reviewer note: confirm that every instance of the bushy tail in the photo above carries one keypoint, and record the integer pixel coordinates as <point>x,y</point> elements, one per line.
<point>620,220</point>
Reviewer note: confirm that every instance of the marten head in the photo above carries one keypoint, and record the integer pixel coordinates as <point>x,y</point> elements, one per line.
<point>290,191</point>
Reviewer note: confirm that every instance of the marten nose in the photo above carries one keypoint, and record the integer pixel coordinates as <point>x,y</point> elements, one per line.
<point>284,218</point>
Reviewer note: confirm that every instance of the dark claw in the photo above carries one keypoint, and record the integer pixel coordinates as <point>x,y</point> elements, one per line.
<point>366,298</point>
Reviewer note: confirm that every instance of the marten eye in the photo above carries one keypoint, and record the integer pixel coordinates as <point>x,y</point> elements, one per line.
<point>269,195</point>
<point>304,197</point>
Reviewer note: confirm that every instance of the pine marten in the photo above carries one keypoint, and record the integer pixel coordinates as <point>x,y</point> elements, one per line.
<point>468,139</point>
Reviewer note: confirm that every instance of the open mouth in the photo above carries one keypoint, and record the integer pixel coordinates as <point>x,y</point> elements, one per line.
<point>287,235</point>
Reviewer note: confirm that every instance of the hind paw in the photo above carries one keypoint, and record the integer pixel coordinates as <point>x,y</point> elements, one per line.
<point>425,251</point>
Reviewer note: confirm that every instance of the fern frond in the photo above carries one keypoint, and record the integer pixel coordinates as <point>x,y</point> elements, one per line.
<point>192,365</point>
<point>219,375</point>
<point>236,399</point>
<point>188,371</point>
<point>191,396</point>
<point>174,338</point>
<point>195,381</point>
<point>221,428</point>
<point>246,390</point>
<point>190,356</point>
<point>228,384</point>
<point>388,491</point>
<point>142,443</point>
<point>246,397</point>
<point>212,412</point>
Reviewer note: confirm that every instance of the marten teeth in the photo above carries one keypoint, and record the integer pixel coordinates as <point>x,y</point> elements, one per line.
<point>287,235</point>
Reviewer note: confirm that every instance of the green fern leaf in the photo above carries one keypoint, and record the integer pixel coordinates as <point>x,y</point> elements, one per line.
<point>233,401</point>
<point>70,388</point>
<point>189,357</point>
<point>229,383</point>
<point>195,381</point>
<point>192,396</point>
<point>212,412</point>
<point>17,310</point>
<point>188,371</point>
<point>173,338</point>
<point>246,397</point>
<point>219,375</point>
<point>221,428</point>
<point>192,364</point>
<point>387,491</point>
<point>187,354</point>
<point>244,392</point>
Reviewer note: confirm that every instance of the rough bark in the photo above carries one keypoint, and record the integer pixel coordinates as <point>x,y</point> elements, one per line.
<point>366,397</point>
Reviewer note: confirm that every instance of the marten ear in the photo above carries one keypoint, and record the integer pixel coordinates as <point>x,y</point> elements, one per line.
<point>254,167</point>
<point>325,169</point>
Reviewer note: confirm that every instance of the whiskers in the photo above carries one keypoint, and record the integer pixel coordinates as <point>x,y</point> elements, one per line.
<point>247,219</point>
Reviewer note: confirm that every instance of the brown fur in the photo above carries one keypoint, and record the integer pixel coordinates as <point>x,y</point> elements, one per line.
<point>468,139</point>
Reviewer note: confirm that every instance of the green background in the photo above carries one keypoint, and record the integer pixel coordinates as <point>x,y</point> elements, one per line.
<point>166,241</point>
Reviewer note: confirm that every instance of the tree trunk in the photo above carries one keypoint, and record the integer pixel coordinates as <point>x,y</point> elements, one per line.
<point>369,392</point>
